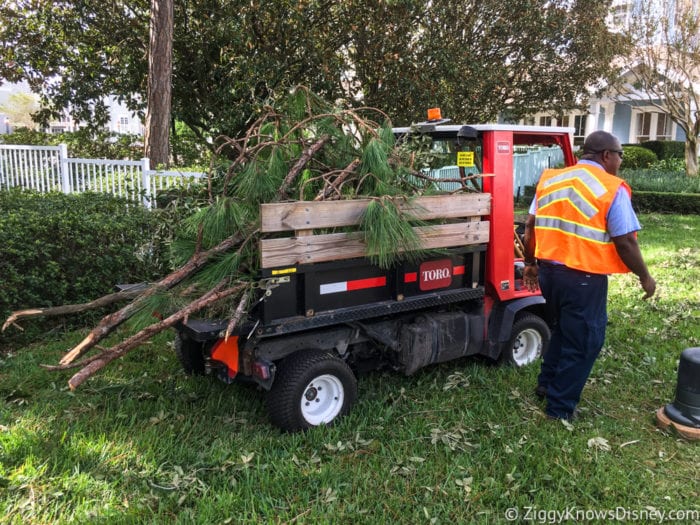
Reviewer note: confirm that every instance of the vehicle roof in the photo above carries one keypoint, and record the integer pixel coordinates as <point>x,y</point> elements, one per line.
<point>516,128</point>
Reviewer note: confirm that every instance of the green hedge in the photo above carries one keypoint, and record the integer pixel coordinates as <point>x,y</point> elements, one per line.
<point>666,149</point>
<point>58,249</point>
<point>656,202</point>
<point>637,157</point>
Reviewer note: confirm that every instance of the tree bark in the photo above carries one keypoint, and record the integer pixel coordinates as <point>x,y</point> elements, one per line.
<point>99,362</point>
<point>299,166</point>
<point>159,90</point>
<point>70,308</point>
<point>691,157</point>
<point>112,321</point>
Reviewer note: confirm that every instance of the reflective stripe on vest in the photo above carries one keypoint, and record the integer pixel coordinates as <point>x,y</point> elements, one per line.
<point>584,176</point>
<point>574,228</point>
<point>569,193</point>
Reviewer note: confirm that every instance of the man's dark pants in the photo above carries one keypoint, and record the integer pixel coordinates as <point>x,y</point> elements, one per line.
<point>576,305</point>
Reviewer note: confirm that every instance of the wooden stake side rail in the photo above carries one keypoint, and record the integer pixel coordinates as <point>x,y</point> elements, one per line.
<point>305,216</point>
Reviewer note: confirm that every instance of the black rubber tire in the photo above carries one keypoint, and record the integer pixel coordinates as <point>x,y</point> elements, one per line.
<point>190,354</point>
<point>528,342</point>
<point>297,400</point>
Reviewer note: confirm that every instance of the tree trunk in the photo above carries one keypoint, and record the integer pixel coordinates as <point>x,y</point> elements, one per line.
<point>691,157</point>
<point>160,67</point>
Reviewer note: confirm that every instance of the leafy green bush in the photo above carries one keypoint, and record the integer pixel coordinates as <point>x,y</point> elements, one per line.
<point>666,149</point>
<point>188,148</point>
<point>672,164</point>
<point>637,157</point>
<point>58,249</point>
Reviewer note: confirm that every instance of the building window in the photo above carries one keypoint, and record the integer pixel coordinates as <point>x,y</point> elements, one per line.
<point>643,126</point>
<point>620,15</point>
<point>564,121</point>
<point>663,127</point>
<point>579,126</point>
<point>545,121</point>
<point>124,121</point>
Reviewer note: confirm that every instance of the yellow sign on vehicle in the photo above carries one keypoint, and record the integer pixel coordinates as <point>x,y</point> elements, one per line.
<point>465,159</point>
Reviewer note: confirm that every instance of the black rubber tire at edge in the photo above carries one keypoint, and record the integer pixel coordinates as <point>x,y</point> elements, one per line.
<point>189,354</point>
<point>294,376</point>
<point>526,326</point>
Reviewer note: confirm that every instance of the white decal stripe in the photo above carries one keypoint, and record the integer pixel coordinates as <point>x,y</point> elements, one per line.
<point>334,287</point>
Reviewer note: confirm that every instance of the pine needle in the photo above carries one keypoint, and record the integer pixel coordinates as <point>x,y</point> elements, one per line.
<point>389,234</point>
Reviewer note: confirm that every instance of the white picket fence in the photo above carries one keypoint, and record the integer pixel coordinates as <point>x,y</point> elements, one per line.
<point>48,168</point>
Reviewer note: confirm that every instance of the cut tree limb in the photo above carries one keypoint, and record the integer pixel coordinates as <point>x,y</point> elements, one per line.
<point>299,165</point>
<point>113,320</point>
<point>240,310</point>
<point>70,308</point>
<point>96,363</point>
<point>335,186</point>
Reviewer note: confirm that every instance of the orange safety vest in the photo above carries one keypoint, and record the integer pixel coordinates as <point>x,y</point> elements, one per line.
<point>570,222</point>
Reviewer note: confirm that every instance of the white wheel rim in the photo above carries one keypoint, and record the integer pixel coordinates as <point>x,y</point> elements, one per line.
<point>527,347</point>
<point>322,399</point>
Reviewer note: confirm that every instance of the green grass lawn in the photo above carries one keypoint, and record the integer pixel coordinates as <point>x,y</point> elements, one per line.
<point>461,442</point>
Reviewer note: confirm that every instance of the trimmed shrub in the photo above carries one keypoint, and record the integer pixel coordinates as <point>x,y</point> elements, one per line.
<point>666,149</point>
<point>654,202</point>
<point>637,157</point>
<point>60,249</point>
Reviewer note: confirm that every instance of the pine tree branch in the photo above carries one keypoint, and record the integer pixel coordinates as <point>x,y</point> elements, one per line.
<point>299,166</point>
<point>68,309</point>
<point>110,322</point>
<point>240,309</point>
<point>336,185</point>
<point>96,363</point>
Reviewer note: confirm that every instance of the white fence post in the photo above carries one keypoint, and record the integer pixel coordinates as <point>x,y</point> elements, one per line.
<point>65,169</point>
<point>146,182</point>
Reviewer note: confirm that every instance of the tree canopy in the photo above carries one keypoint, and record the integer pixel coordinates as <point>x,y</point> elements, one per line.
<point>475,59</point>
<point>666,58</point>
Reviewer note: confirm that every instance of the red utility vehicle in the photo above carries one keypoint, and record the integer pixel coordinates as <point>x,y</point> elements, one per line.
<point>324,311</point>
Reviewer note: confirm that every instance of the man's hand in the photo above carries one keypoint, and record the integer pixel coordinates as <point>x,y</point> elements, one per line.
<point>530,279</point>
<point>628,250</point>
<point>648,285</point>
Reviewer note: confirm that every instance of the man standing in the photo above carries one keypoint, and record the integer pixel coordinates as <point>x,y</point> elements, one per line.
<point>581,227</point>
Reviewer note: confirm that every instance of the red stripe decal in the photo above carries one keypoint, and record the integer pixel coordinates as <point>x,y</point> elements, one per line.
<point>458,270</point>
<point>410,277</point>
<point>361,284</point>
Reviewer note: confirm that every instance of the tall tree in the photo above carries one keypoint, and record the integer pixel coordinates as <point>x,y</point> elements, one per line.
<point>473,58</point>
<point>666,59</point>
<point>160,68</point>
<point>480,58</point>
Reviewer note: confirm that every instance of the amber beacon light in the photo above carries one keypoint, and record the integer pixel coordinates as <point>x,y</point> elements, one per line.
<point>434,114</point>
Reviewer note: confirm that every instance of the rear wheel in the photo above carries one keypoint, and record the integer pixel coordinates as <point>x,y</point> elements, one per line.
<point>190,354</point>
<point>311,388</point>
<point>528,341</point>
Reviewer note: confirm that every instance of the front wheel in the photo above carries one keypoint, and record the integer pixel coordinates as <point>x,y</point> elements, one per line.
<point>528,341</point>
<point>311,388</point>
